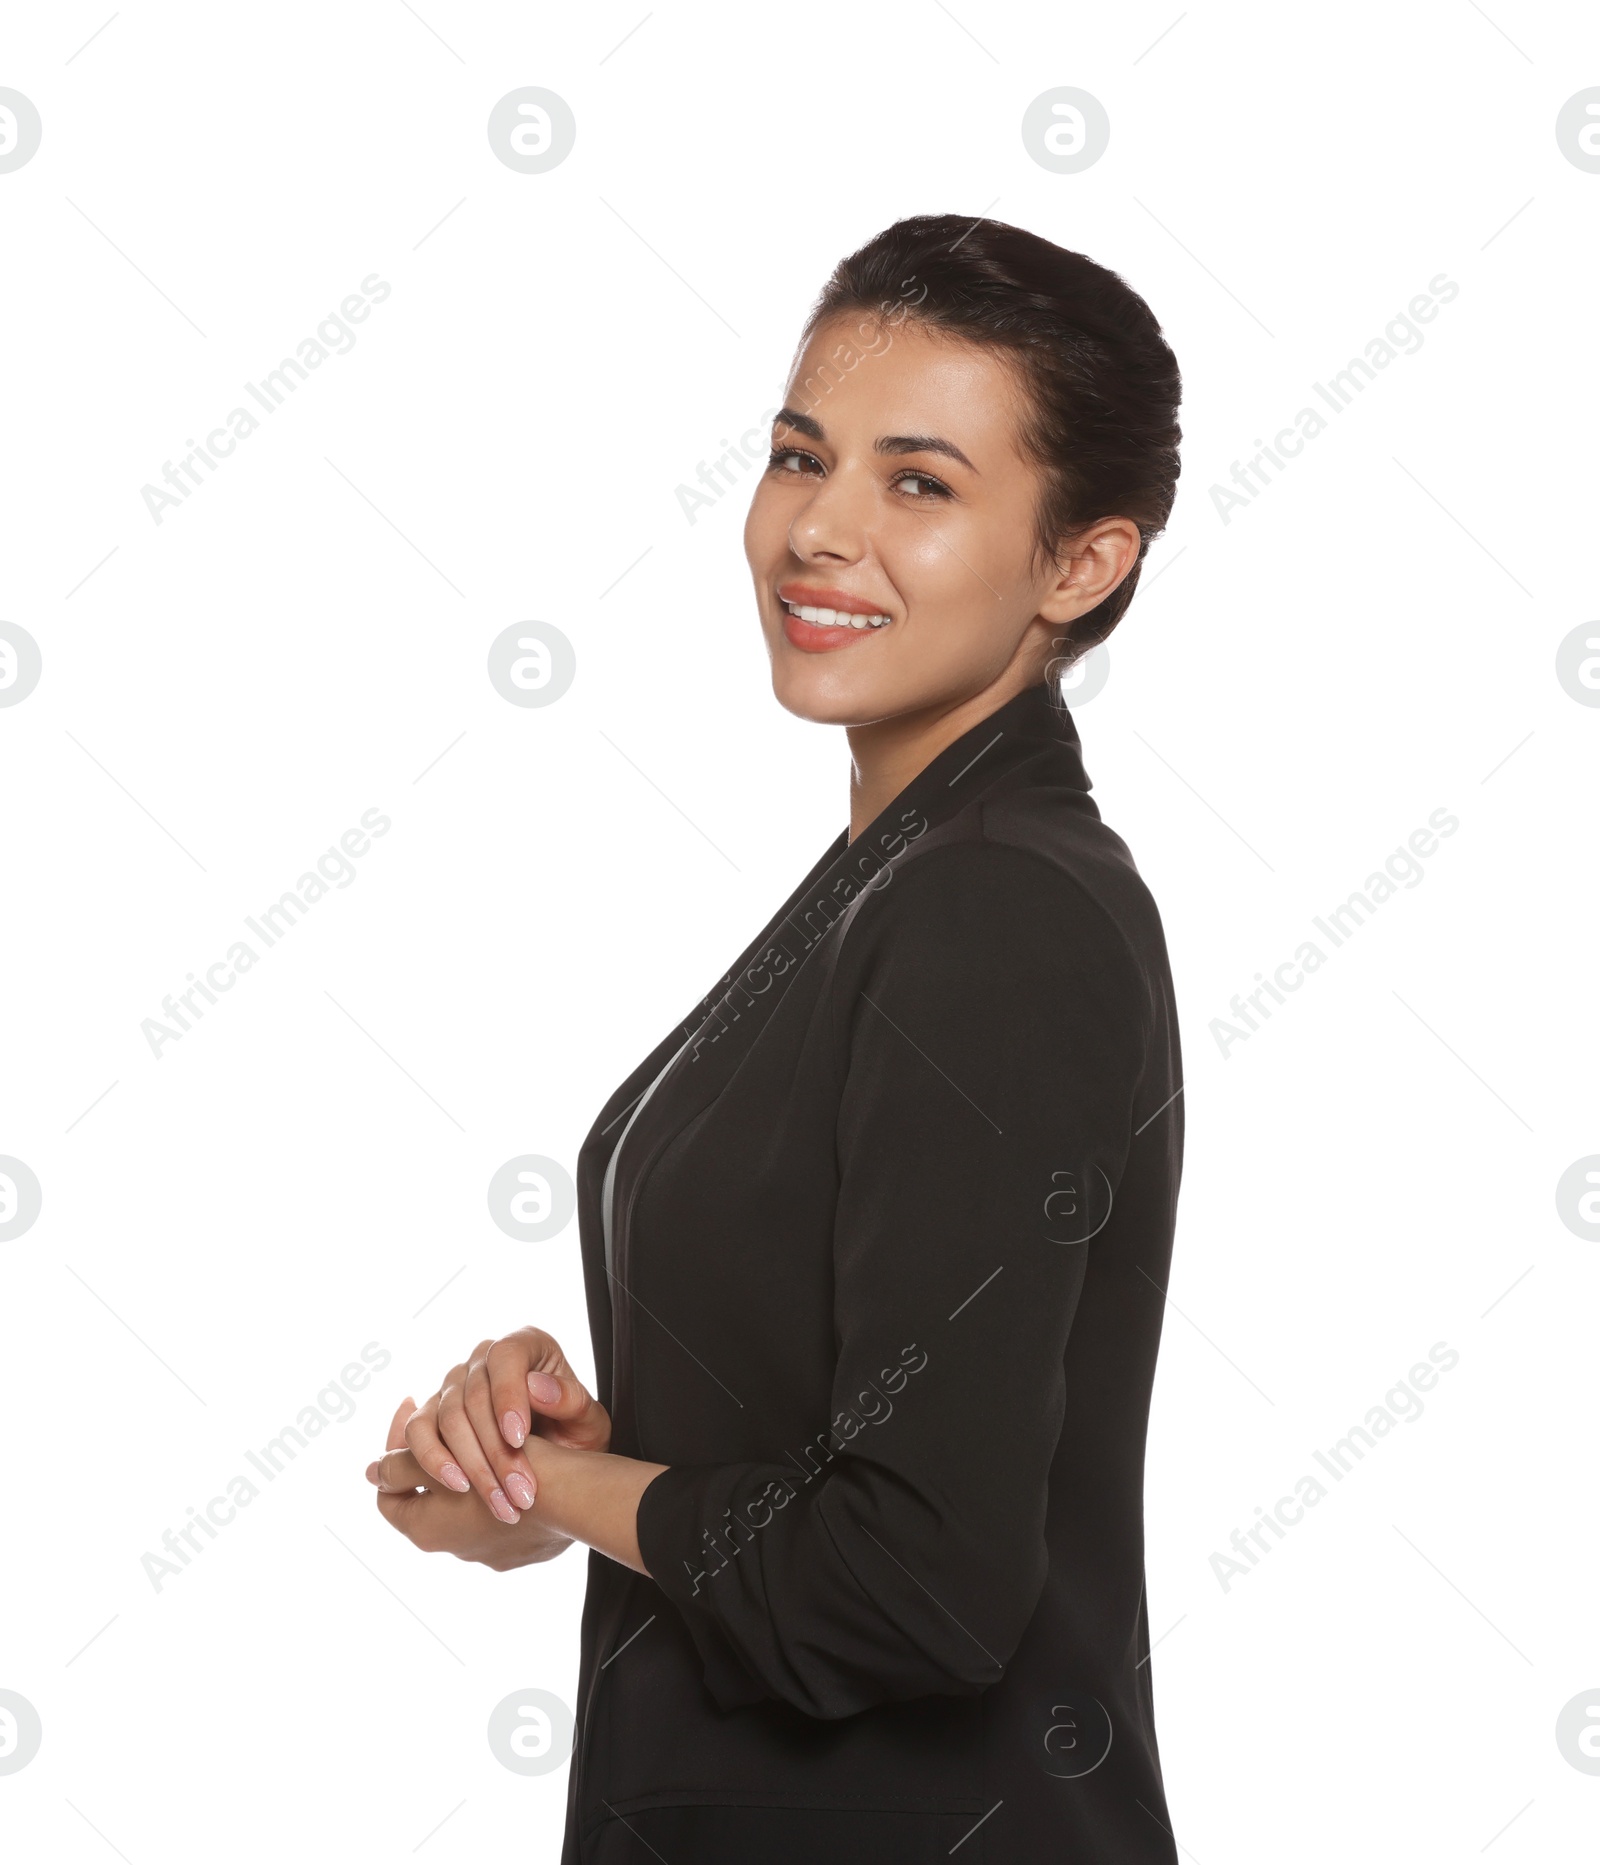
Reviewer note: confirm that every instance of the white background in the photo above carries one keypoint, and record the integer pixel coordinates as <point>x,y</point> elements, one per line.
<point>1291,695</point>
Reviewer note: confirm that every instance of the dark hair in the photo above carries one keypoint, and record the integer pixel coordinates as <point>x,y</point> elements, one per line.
<point>1103,384</point>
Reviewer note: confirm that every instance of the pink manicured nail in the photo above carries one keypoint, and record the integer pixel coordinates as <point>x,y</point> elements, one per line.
<point>521,1490</point>
<point>502,1508</point>
<point>455,1476</point>
<point>545,1389</point>
<point>514,1429</point>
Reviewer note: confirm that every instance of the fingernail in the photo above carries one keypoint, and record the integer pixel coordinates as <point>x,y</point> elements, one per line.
<point>521,1490</point>
<point>455,1476</point>
<point>513,1428</point>
<point>372,1473</point>
<point>502,1508</point>
<point>545,1389</point>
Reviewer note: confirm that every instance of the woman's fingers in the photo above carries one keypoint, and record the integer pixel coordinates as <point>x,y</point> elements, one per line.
<point>400,1479</point>
<point>567,1412</point>
<point>397,1472</point>
<point>468,1435</point>
<point>419,1431</point>
<point>460,1440</point>
<point>515,1474</point>
<point>532,1387</point>
<point>511,1358</point>
<point>397,1424</point>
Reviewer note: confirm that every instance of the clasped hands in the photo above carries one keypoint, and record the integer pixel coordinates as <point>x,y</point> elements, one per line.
<point>509,1462</point>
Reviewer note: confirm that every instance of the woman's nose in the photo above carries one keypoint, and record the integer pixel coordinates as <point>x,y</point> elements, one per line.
<point>836,518</point>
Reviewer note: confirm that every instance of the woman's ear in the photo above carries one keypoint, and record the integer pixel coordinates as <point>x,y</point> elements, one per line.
<point>1091,563</point>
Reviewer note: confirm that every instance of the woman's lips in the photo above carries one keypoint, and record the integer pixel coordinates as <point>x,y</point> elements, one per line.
<point>819,622</point>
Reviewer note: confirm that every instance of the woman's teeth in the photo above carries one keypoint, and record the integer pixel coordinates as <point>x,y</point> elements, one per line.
<point>836,618</point>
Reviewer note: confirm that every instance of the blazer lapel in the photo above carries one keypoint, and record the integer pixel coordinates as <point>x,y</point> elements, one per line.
<point>1024,740</point>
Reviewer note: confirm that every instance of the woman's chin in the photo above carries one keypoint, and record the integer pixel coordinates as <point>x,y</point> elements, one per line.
<point>834,695</point>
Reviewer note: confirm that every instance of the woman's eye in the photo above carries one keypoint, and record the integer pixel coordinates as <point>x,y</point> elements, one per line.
<point>918,486</point>
<point>922,486</point>
<point>791,460</point>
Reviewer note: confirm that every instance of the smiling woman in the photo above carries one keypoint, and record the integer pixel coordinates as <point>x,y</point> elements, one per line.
<point>972,489</point>
<point>929,1122</point>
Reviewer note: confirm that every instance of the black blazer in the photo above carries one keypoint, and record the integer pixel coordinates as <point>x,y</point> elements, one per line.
<point>889,1245</point>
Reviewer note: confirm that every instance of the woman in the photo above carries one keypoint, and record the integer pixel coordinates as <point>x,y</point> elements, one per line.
<point>875,1241</point>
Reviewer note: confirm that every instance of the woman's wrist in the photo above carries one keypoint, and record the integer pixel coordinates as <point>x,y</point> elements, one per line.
<point>592,1496</point>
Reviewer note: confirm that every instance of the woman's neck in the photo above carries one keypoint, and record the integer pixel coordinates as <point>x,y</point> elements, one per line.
<point>886,755</point>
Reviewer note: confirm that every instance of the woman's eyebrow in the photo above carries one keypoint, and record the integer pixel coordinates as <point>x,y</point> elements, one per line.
<point>889,443</point>
<point>923,443</point>
<point>801,423</point>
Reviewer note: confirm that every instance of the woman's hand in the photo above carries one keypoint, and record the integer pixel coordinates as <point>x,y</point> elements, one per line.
<point>469,1434</point>
<point>442,1521</point>
<point>588,1496</point>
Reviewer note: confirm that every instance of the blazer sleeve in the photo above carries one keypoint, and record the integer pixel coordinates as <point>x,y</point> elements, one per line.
<point>990,1025</point>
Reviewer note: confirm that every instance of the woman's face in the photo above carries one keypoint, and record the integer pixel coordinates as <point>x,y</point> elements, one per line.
<point>898,492</point>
